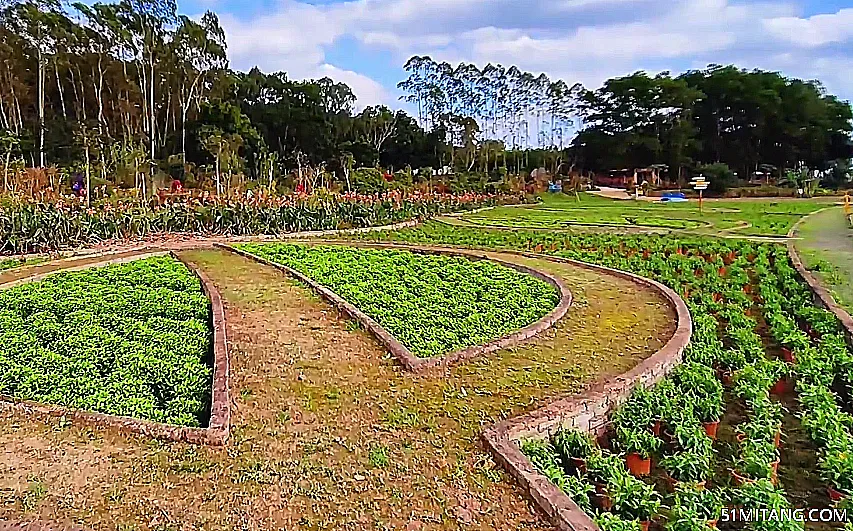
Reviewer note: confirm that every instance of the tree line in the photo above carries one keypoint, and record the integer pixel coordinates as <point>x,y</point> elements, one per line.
<point>131,90</point>
<point>749,120</point>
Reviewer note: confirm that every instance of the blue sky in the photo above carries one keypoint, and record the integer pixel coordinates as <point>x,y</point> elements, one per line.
<point>365,42</point>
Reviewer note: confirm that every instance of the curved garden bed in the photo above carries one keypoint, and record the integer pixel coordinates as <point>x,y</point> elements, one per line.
<point>500,330</point>
<point>587,413</point>
<point>80,355</point>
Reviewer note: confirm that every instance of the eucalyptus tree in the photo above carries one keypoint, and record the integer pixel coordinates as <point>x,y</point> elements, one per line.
<point>35,22</point>
<point>201,48</point>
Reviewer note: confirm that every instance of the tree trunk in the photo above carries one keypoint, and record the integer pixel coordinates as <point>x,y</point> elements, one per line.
<point>59,88</point>
<point>218,181</point>
<point>88,178</point>
<point>6,169</point>
<point>41,104</point>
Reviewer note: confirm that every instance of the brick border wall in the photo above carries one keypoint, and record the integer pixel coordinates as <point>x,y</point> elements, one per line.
<point>822,297</point>
<point>586,412</point>
<point>217,432</point>
<point>401,352</point>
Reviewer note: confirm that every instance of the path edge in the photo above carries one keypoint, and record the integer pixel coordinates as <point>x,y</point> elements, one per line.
<point>820,294</point>
<point>406,358</point>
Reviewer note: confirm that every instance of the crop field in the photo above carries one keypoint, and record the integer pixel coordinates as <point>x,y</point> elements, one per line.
<point>131,339</point>
<point>765,217</point>
<point>432,304</point>
<point>329,433</point>
<point>759,416</point>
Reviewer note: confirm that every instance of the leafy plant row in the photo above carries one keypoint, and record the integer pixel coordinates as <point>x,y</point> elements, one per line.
<point>432,304</point>
<point>823,363</point>
<point>131,339</point>
<point>27,227</point>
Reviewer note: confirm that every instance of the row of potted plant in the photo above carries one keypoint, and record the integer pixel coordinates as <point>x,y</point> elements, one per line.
<point>676,421</point>
<point>596,481</point>
<point>760,436</point>
<point>724,295</point>
<point>820,361</point>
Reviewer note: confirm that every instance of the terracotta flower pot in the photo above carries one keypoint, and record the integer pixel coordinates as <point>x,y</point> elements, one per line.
<point>788,355</point>
<point>777,439</point>
<point>579,464</point>
<point>644,525</point>
<point>740,480</point>
<point>836,495</point>
<point>656,428</point>
<point>712,524</point>
<point>782,387</point>
<point>603,501</point>
<point>711,428</point>
<point>725,376</point>
<point>637,465</point>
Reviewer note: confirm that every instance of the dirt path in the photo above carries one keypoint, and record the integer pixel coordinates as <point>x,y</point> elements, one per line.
<point>825,245</point>
<point>11,275</point>
<point>329,432</point>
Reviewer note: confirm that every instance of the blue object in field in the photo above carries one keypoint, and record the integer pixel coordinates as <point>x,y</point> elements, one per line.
<point>673,197</point>
<point>555,187</point>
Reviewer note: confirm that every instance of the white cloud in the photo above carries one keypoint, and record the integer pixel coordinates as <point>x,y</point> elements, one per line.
<point>369,91</point>
<point>577,40</point>
<point>813,31</point>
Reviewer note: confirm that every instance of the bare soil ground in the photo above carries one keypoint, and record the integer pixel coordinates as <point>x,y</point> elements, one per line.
<point>329,432</point>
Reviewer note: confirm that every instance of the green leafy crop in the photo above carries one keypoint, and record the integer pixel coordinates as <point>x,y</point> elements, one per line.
<point>432,304</point>
<point>130,339</point>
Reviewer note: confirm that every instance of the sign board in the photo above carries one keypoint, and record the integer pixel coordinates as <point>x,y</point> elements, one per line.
<point>700,186</point>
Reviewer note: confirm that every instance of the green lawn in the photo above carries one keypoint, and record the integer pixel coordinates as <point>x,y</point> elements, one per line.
<point>761,217</point>
<point>826,248</point>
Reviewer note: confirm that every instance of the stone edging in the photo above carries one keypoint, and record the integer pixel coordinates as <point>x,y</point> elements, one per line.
<point>400,351</point>
<point>822,297</point>
<point>217,432</point>
<point>586,412</point>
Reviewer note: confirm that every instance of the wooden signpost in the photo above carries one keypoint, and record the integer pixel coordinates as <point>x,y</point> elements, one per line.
<point>700,184</point>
